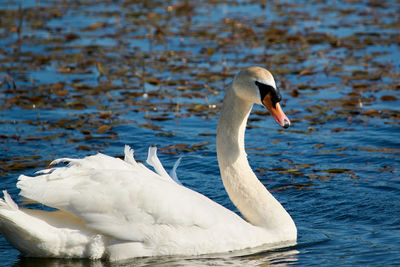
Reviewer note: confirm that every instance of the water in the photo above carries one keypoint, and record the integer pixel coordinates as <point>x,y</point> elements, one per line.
<point>94,75</point>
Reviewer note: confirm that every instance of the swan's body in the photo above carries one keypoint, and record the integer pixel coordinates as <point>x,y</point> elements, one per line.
<point>120,209</point>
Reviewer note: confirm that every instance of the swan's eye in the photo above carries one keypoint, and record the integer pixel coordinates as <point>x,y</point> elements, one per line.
<point>268,89</point>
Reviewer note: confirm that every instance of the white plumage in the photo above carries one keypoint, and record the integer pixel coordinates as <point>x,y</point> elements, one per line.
<point>108,207</point>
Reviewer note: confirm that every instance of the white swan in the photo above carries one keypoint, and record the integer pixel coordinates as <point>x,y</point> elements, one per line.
<point>119,209</point>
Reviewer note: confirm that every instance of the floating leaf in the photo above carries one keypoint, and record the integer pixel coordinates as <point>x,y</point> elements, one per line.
<point>64,70</point>
<point>83,147</point>
<point>336,170</point>
<point>62,93</point>
<point>77,105</point>
<point>291,171</point>
<point>200,145</point>
<point>57,86</point>
<point>372,113</point>
<point>336,130</point>
<point>99,68</point>
<point>207,134</point>
<point>103,129</point>
<point>71,36</point>
<point>150,126</point>
<point>317,146</point>
<point>340,149</point>
<point>295,93</point>
<point>153,81</point>
<point>95,26</point>
<point>324,178</point>
<point>388,98</point>
<point>105,115</point>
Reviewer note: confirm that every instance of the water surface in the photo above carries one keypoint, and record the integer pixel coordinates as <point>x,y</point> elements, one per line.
<point>81,77</point>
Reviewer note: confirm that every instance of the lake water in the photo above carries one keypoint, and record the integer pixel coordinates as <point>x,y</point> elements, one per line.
<point>79,77</point>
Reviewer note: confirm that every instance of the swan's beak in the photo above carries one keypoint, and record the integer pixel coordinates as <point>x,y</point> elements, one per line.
<point>276,112</point>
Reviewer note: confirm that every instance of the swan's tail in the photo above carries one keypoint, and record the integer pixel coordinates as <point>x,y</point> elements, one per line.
<point>30,232</point>
<point>7,203</point>
<point>17,228</point>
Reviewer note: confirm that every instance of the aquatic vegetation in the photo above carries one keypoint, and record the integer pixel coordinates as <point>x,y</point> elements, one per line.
<point>172,60</point>
<point>77,77</point>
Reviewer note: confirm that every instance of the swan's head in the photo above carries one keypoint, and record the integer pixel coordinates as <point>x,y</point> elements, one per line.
<point>257,85</point>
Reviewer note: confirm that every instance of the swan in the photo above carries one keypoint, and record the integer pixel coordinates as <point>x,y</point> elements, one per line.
<point>106,207</point>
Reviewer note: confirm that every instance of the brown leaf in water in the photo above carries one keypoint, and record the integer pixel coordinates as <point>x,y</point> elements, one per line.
<point>166,134</point>
<point>207,134</point>
<point>174,149</point>
<point>153,81</point>
<point>64,70</point>
<point>353,176</point>
<point>57,86</point>
<point>62,93</point>
<point>336,130</point>
<point>200,145</point>
<point>360,85</point>
<point>71,36</point>
<point>77,105</point>
<point>295,93</point>
<point>351,102</point>
<point>291,171</point>
<point>336,170</point>
<point>273,169</point>
<point>306,72</point>
<point>19,166</point>
<point>198,108</point>
<point>372,113</point>
<point>83,147</point>
<point>103,129</point>
<point>340,149</point>
<point>158,118</point>
<point>324,178</point>
<point>105,115</point>
<point>150,126</point>
<point>95,26</point>
<point>317,146</point>
<point>388,98</point>
<point>100,68</point>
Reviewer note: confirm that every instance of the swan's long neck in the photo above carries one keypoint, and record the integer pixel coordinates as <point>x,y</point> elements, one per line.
<point>248,194</point>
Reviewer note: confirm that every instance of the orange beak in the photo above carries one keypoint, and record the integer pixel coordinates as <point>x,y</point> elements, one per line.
<point>276,112</point>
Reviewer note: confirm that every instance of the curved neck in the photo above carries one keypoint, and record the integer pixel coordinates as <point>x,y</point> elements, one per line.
<point>248,194</point>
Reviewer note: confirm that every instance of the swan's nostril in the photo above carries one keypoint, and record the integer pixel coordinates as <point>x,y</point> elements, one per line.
<point>286,124</point>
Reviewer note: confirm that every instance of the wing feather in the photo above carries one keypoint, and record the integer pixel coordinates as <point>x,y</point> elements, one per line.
<point>122,199</point>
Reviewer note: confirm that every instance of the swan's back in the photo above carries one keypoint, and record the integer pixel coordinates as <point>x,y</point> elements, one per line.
<point>135,211</point>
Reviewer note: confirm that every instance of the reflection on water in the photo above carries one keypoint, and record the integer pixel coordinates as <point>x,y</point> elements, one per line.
<point>254,257</point>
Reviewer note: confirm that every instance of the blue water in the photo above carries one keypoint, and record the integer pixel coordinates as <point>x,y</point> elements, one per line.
<point>336,170</point>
